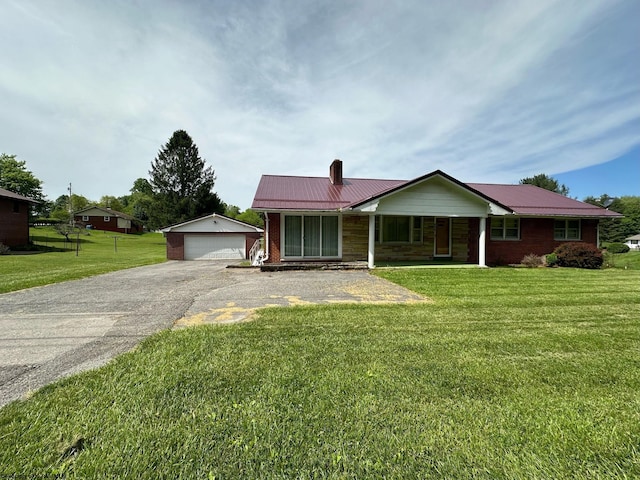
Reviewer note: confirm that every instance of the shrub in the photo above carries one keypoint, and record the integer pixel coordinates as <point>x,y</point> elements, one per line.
<point>579,255</point>
<point>617,248</point>
<point>552,260</point>
<point>532,260</point>
<point>4,250</point>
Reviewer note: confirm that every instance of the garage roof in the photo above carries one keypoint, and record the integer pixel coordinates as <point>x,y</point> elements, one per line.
<point>213,223</point>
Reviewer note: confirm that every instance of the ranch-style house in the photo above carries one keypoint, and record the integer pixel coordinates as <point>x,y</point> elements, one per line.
<point>430,218</point>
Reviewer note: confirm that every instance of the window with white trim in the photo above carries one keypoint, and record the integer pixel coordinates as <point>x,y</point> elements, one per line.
<point>567,230</point>
<point>313,236</point>
<point>505,228</point>
<point>107,219</point>
<point>85,218</point>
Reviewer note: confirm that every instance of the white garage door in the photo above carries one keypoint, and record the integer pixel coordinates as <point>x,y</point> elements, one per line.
<point>208,247</point>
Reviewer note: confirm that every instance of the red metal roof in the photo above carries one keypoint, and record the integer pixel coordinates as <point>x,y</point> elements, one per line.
<point>276,192</point>
<point>532,200</point>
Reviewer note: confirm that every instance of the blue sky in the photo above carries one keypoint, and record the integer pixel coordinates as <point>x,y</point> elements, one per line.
<point>617,178</point>
<point>487,91</point>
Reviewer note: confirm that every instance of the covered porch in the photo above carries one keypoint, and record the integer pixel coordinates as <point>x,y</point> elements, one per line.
<point>433,217</point>
<point>383,240</point>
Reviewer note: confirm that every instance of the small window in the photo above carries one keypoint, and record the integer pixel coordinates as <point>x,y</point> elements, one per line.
<point>85,218</point>
<point>107,218</point>
<point>566,230</point>
<point>505,228</point>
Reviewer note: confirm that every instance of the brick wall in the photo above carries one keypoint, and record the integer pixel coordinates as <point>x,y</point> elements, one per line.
<point>175,246</point>
<point>460,239</point>
<point>536,236</point>
<point>14,225</point>
<point>274,238</point>
<point>355,238</point>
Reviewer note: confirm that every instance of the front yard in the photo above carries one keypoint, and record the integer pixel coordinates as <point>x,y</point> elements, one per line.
<point>509,373</point>
<point>97,252</point>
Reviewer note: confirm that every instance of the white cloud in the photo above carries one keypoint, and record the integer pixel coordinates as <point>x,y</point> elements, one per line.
<point>483,90</point>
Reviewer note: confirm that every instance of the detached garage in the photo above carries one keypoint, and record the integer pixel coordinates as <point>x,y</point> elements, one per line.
<point>213,237</point>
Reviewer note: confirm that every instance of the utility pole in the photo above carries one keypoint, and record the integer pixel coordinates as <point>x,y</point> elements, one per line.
<point>70,206</point>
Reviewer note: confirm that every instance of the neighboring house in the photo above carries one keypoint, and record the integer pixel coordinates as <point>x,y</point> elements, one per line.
<point>633,242</point>
<point>101,218</point>
<point>431,217</point>
<point>211,237</point>
<point>14,218</point>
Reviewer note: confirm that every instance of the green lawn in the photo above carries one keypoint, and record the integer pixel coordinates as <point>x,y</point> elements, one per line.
<point>98,252</point>
<point>509,373</point>
<point>627,261</point>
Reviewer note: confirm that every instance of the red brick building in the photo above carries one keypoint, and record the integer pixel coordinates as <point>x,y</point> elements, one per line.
<point>429,218</point>
<point>101,218</point>
<point>14,218</point>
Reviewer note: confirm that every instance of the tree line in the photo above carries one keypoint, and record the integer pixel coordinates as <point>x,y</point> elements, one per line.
<point>611,229</point>
<point>180,187</point>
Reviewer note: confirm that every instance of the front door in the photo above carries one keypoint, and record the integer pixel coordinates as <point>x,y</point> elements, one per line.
<point>443,237</point>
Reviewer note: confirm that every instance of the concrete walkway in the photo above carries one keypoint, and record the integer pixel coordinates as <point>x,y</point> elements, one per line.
<point>47,333</point>
<point>245,290</point>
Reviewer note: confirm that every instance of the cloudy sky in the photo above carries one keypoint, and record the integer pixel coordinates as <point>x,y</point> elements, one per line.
<point>488,91</point>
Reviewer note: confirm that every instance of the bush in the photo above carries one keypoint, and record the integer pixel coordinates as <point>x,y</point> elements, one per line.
<point>579,255</point>
<point>617,248</point>
<point>4,250</point>
<point>552,260</point>
<point>532,260</point>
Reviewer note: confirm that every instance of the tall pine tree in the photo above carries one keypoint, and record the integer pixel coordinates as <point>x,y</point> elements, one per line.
<point>182,183</point>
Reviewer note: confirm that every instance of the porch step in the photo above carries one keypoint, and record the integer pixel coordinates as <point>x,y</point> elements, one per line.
<point>282,267</point>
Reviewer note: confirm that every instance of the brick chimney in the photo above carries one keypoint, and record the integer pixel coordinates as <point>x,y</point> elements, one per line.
<point>335,172</point>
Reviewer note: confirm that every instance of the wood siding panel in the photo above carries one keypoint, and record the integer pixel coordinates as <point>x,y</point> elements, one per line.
<point>433,198</point>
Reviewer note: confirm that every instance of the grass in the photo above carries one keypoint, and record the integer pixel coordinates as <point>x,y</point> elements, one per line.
<point>627,261</point>
<point>96,254</point>
<point>509,373</point>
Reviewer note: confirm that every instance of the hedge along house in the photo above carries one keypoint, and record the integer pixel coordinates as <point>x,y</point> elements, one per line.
<point>212,237</point>
<point>14,218</point>
<point>429,218</point>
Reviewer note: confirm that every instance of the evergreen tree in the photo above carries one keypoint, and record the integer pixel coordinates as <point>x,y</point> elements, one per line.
<point>182,183</point>
<point>548,183</point>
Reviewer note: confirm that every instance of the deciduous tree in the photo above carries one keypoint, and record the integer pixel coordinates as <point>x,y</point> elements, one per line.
<point>548,183</point>
<point>15,177</point>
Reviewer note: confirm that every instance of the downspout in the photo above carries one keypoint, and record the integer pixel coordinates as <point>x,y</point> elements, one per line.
<point>266,237</point>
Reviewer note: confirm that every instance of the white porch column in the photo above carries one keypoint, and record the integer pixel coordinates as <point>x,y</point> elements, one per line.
<point>372,241</point>
<point>482,247</point>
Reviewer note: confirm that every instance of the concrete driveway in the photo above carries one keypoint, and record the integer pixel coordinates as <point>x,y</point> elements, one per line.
<point>50,332</point>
